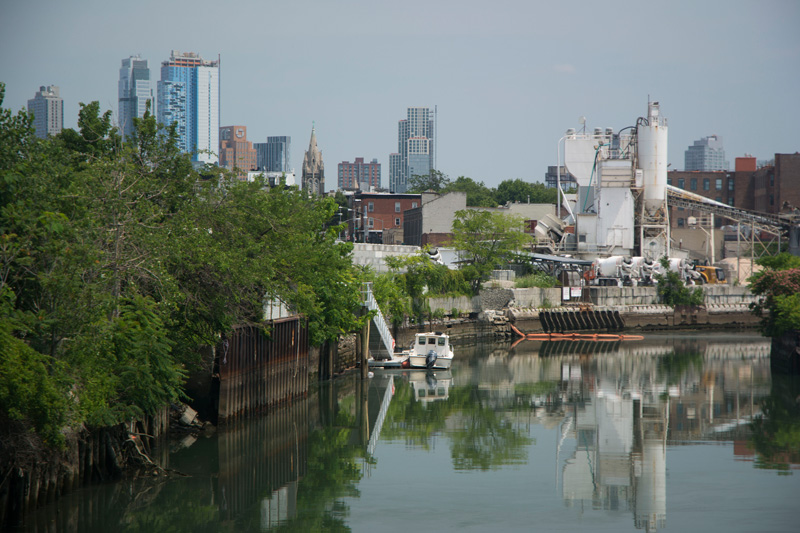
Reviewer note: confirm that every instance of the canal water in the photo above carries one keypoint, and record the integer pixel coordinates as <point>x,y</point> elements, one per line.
<point>684,432</point>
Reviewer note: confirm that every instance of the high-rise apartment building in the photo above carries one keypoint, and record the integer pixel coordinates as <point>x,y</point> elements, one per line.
<point>47,108</point>
<point>313,169</point>
<point>235,151</point>
<point>706,155</point>
<point>415,149</point>
<point>188,95</point>
<point>359,175</point>
<point>273,155</point>
<point>135,90</point>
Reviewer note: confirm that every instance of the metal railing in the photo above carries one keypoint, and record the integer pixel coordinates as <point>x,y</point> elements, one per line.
<point>369,301</point>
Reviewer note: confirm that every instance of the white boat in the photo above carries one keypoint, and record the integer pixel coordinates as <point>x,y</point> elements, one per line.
<point>431,350</point>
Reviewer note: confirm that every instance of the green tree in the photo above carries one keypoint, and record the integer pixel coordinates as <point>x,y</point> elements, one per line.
<point>778,285</point>
<point>524,192</point>
<point>117,260</point>
<point>435,181</point>
<point>671,290</point>
<point>478,194</point>
<point>486,240</point>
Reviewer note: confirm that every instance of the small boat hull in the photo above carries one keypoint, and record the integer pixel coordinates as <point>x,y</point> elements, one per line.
<point>420,361</point>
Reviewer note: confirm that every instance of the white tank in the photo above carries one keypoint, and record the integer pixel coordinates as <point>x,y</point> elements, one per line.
<point>652,153</point>
<point>608,267</point>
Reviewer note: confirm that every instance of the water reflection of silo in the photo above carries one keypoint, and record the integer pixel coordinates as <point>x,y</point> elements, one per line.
<point>650,464</point>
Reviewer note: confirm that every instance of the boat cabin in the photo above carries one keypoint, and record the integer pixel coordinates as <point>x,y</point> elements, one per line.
<point>438,342</point>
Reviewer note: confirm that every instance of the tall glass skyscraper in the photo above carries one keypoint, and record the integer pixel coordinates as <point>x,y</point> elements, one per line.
<point>48,111</point>
<point>706,155</point>
<point>273,155</point>
<point>188,95</point>
<point>135,90</point>
<point>415,149</point>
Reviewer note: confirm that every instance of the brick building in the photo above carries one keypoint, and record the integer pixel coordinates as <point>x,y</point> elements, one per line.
<point>359,175</point>
<point>770,189</point>
<point>381,214</point>
<point>235,151</point>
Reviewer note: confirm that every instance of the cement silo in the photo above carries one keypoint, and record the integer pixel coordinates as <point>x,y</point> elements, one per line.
<point>652,158</point>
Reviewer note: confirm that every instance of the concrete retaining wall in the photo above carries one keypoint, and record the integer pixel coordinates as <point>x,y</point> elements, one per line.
<point>464,304</point>
<point>537,297</point>
<point>727,294</point>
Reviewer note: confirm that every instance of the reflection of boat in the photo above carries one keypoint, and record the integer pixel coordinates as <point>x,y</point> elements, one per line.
<point>431,350</point>
<point>430,385</point>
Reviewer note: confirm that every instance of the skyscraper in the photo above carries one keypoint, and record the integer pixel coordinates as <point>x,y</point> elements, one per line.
<point>48,111</point>
<point>706,155</point>
<point>135,90</point>
<point>235,151</point>
<point>188,95</point>
<point>273,155</point>
<point>313,168</point>
<point>415,149</point>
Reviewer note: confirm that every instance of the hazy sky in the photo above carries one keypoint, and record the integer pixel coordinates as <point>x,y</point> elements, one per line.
<point>508,77</point>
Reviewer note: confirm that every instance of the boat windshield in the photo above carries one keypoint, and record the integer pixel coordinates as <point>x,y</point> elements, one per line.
<point>442,341</point>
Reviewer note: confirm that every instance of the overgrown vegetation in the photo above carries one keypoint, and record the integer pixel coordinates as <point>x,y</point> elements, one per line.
<point>479,195</point>
<point>536,280</point>
<point>404,290</point>
<point>671,290</point>
<point>118,259</point>
<point>485,241</point>
<point>779,287</point>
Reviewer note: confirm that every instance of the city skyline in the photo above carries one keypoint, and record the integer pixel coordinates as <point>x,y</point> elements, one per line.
<point>135,90</point>
<point>507,79</point>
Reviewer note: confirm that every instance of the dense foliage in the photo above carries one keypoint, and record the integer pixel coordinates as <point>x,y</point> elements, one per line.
<point>536,279</point>
<point>671,290</point>
<point>403,291</point>
<point>117,260</point>
<point>479,195</point>
<point>485,241</point>
<point>779,287</point>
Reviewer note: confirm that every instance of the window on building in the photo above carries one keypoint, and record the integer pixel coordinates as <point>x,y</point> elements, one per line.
<point>371,207</point>
<point>730,184</point>
<point>693,184</point>
<point>413,205</point>
<point>397,222</point>
<point>681,183</point>
<point>680,222</point>
<point>771,180</point>
<point>718,199</point>
<point>771,199</point>
<point>718,184</point>
<point>371,222</point>
<point>706,184</point>
<point>397,207</point>
<point>730,200</point>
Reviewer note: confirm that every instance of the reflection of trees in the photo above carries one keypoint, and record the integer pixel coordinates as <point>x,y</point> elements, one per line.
<point>481,437</point>
<point>412,421</point>
<point>486,440</point>
<point>673,366</point>
<point>333,473</point>
<point>776,433</point>
<point>182,506</point>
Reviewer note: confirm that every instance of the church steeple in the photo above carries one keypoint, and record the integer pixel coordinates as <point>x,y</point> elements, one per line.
<point>313,179</point>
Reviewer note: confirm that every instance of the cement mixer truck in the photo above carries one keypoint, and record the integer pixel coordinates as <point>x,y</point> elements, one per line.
<point>620,271</point>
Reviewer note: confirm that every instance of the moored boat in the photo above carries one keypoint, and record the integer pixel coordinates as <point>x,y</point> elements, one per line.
<point>431,350</point>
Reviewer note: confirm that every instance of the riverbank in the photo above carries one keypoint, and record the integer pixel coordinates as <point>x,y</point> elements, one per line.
<point>493,312</point>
